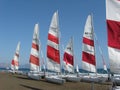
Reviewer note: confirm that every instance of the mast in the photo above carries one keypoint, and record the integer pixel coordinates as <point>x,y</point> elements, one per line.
<point>73,54</point>
<point>92,23</point>
<point>59,40</point>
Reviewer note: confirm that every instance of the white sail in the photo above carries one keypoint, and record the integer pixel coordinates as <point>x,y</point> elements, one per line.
<point>68,57</point>
<point>113,30</point>
<point>15,61</point>
<point>53,53</point>
<point>34,55</point>
<point>88,49</point>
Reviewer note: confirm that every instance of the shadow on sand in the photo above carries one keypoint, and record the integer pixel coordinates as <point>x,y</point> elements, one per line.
<point>24,77</point>
<point>20,77</point>
<point>29,87</point>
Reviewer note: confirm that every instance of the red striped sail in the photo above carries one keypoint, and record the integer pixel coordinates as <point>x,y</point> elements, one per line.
<point>53,53</point>
<point>34,55</point>
<point>88,50</point>
<point>113,31</point>
<point>68,57</point>
<point>15,61</point>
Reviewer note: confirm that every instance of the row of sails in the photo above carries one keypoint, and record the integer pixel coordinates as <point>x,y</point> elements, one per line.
<point>88,46</point>
<point>53,49</point>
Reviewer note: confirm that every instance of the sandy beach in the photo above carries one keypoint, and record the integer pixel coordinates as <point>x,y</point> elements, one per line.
<point>20,82</point>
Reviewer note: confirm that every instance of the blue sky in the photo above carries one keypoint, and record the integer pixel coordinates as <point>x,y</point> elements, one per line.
<point>18,17</point>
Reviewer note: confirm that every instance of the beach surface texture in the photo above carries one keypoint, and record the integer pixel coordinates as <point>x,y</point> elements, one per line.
<point>10,81</point>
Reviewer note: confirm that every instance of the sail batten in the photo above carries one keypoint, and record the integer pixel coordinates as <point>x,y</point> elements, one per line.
<point>113,31</point>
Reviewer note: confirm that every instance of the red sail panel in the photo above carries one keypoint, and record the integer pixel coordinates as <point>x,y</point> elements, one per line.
<point>35,46</point>
<point>15,63</point>
<point>34,60</point>
<point>53,54</point>
<point>53,38</point>
<point>89,58</point>
<point>88,41</point>
<point>113,28</point>
<point>68,58</point>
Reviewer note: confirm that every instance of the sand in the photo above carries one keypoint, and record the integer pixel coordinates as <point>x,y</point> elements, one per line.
<point>20,82</point>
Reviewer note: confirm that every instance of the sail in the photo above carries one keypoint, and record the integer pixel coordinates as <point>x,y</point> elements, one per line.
<point>68,58</point>
<point>15,61</point>
<point>53,52</point>
<point>113,31</point>
<point>34,55</point>
<point>88,49</point>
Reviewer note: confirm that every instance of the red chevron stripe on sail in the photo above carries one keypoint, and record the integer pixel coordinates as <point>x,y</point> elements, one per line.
<point>88,41</point>
<point>53,38</point>
<point>15,63</point>
<point>68,58</point>
<point>34,60</point>
<point>35,46</point>
<point>113,33</point>
<point>53,54</point>
<point>89,58</point>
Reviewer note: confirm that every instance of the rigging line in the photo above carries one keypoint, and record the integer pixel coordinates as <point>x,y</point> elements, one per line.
<point>100,49</point>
